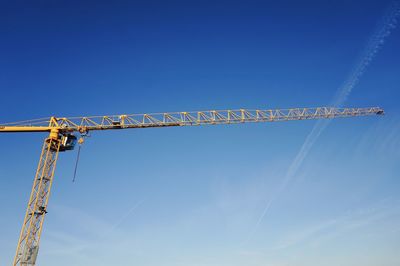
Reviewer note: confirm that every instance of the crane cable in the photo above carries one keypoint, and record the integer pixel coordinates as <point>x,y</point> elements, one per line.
<point>76,163</point>
<point>80,142</point>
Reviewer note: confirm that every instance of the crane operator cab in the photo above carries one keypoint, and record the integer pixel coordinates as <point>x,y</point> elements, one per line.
<point>68,142</point>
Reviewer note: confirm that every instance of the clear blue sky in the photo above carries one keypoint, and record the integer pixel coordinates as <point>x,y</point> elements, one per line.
<point>193,196</point>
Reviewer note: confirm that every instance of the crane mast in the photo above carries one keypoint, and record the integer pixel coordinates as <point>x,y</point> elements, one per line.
<point>62,138</point>
<point>28,243</point>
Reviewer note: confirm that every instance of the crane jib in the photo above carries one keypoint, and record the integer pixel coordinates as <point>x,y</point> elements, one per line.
<point>90,123</point>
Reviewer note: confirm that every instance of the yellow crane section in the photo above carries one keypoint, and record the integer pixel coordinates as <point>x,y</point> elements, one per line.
<point>62,138</point>
<point>89,123</point>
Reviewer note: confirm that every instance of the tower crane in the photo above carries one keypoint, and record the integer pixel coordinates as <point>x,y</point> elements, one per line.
<point>63,133</point>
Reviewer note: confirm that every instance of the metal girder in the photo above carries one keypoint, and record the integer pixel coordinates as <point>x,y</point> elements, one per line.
<point>89,123</point>
<point>28,243</point>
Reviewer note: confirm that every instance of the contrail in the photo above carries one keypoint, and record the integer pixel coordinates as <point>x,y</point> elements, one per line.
<point>126,215</point>
<point>123,217</point>
<point>385,27</point>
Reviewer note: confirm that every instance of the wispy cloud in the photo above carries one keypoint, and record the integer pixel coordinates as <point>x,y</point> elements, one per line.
<point>383,139</point>
<point>378,38</point>
<point>321,232</point>
<point>357,222</point>
<point>89,232</point>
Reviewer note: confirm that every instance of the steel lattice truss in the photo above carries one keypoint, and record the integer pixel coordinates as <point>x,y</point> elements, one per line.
<point>88,123</point>
<point>28,243</point>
